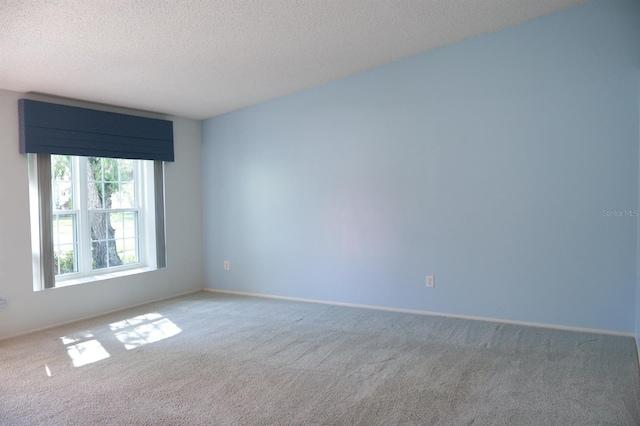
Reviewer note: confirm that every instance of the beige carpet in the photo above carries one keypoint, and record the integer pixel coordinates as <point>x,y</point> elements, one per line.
<point>211,359</point>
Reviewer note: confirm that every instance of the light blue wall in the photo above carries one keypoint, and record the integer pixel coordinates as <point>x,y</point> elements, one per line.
<point>487,163</point>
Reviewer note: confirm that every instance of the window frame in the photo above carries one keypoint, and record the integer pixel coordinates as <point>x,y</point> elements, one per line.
<point>151,232</point>
<point>82,212</point>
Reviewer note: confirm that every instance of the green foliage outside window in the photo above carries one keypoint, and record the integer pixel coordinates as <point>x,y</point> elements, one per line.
<point>66,260</point>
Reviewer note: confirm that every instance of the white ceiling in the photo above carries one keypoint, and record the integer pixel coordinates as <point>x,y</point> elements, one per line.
<point>201,58</point>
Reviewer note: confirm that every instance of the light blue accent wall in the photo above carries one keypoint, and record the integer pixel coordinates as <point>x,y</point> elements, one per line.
<point>489,163</point>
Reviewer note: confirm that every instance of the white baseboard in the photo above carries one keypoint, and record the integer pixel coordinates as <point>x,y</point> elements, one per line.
<point>113,311</point>
<point>418,312</point>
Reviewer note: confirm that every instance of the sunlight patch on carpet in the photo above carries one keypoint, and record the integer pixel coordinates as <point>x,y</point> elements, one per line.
<point>83,349</point>
<point>144,329</point>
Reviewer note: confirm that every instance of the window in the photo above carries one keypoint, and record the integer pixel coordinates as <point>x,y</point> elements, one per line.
<point>96,191</point>
<point>102,215</point>
<point>96,213</point>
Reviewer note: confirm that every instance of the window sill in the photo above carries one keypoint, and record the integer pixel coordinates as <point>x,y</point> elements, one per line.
<point>103,276</point>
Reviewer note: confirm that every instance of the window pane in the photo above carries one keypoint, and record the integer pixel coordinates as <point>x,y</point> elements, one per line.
<point>114,239</point>
<point>113,258</point>
<point>124,237</point>
<point>62,195</point>
<point>95,195</point>
<point>99,258</point>
<point>124,224</point>
<point>65,259</point>
<point>65,244</point>
<point>95,184</point>
<point>130,251</point>
<point>61,183</point>
<point>110,195</point>
<point>104,230</point>
<point>130,221</point>
<point>95,169</point>
<point>98,226</point>
<point>110,169</point>
<point>63,229</point>
<point>111,183</point>
<point>116,221</point>
<point>61,167</point>
<point>126,170</point>
<point>127,195</point>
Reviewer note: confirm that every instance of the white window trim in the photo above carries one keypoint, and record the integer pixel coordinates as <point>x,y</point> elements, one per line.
<point>151,243</point>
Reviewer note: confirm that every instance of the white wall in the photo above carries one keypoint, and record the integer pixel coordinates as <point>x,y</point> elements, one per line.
<point>28,310</point>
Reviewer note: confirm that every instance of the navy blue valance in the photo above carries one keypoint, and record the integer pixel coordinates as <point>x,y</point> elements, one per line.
<point>47,128</point>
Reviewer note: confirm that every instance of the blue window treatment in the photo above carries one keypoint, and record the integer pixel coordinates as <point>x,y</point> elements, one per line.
<point>47,128</point>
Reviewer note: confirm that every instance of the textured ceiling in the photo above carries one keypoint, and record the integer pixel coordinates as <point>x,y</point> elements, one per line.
<point>200,58</point>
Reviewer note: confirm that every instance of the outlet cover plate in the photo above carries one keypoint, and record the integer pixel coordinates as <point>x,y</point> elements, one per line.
<point>431,281</point>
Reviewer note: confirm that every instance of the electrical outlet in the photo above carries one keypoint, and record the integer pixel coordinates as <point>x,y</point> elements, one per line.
<point>3,302</point>
<point>431,281</point>
<point>227,265</point>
